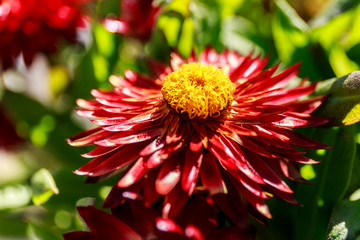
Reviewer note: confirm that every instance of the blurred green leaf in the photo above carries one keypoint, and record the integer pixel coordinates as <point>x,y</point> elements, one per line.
<point>237,33</point>
<point>289,31</point>
<point>101,70</point>
<point>343,104</point>
<point>330,33</point>
<point>345,221</point>
<point>207,22</point>
<point>293,43</point>
<point>334,8</point>
<point>340,62</point>
<point>186,40</point>
<point>105,41</point>
<point>179,6</point>
<point>35,232</point>
<point>337,36</point>
<point>170,24</point>
<point>14,196</point>
<point>43,186</point>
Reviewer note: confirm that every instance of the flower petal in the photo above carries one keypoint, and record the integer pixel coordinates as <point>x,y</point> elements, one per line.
<point>133,174</point>
<point>106,226</point>
<point>210,175</point>
<point>193,159</point>
<point>169,175</point>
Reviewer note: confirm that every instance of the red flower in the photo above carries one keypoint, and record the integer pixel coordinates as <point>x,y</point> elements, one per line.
<point>218,123</point>
<point>137,20</point>
<point>31,26</point>
<point>133,221</point>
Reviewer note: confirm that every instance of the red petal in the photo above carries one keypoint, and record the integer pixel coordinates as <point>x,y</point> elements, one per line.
<point>99,151</point>
<point>174,202</point>
<point>78,235</point>
<point>307,106</point>
<point>267,174</point>
<point>149,192</point>
<point>292,137</point>
<point>168,177</point>
<point>106,226</point>
<point>103,165</point>
<point>231,157</point>
<point>88,137</point>
<point>154,146</point>
<point>210,175</point>
<point>138,217</point>
<point>248,67</point>
<point>254,83</point>
<point>277,81</point>
<point>176,61</point>
<point>296,120</point>
<point>250,185</point>
<point>193,159</point>
<point>234,233</point>
<point>288,95</point>
<point>134,174</point>
<point>88,104</point>
<point>168,225</point>
<point>137,137</point>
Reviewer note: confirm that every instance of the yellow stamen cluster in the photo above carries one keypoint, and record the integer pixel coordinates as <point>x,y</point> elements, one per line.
<point>199,90</point>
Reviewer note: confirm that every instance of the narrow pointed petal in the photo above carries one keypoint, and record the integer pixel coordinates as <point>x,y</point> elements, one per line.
<point>232,158</point>
<point>268,175</point>
<point>100,151</point>
<point>88,137</point>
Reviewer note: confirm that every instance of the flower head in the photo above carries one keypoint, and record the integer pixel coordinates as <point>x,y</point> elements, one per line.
<point>218,124</point>
<point>133,221</point>
<point>137,20</point>
<point>31,26</point>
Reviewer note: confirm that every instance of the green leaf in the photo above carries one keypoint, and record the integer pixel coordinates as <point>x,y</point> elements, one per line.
<point>343,104</point>
<point>186,40</point>
<point>43,186</point>
<point>105,41</point>
<point>293,43</point>
<point>289,31</point>
<point>170,24</point>
<point>340,62</point>
<point>35,232</point>
<point>345,221</point>
<point>332,179</point>
<point>238,33</point>
<point>337,36</point>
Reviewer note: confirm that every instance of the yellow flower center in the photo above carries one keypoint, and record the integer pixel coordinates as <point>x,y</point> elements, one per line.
<point>199,90</point>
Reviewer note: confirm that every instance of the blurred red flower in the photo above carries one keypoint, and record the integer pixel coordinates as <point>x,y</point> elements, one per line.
<point>133,221</point>
<point>138,18</point>
<point>217,123</point>
<point>8,135</point>
<point>31,26</point>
